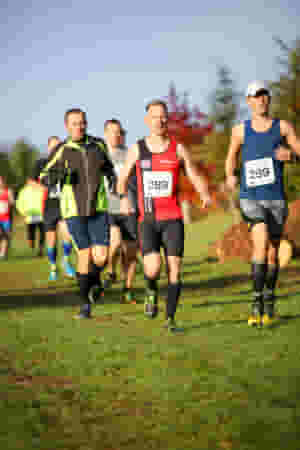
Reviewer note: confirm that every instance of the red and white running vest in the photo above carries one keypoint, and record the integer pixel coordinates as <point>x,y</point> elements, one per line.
<point>157,183</point>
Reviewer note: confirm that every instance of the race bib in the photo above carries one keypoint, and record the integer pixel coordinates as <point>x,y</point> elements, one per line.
<point>35,219</point>
<point>259,172</point>
<point>157,184</point>
<point>3,207</point>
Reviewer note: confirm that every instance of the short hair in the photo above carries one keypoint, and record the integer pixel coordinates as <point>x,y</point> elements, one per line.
<point>74,111</point>
<point>51,138</point>
<point>112,121</point>
<point>157,102</point>
<point>115,122</point>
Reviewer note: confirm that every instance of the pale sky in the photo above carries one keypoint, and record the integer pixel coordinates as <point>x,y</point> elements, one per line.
<point>111,58</point>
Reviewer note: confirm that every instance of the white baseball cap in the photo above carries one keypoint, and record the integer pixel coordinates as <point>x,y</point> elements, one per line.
<point>256,86</point>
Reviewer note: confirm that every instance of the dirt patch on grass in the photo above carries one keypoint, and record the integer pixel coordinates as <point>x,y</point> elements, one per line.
<point>36,380</point>
<point>104,318</point>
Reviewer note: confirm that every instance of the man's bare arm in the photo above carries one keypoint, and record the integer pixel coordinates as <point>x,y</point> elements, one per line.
<point>231,162</point>
<point>288,131</point>
<point>198,181</point>
<point>122,183</point>
<point>132,156</point>
<point>11,197</point>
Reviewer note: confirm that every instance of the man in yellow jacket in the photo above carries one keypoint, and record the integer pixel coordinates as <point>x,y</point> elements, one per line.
<point>29,204</point>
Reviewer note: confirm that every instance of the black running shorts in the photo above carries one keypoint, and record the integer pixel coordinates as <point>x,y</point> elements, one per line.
<point>126,224</point>
<point>168,234</point>
<point>52,214</point>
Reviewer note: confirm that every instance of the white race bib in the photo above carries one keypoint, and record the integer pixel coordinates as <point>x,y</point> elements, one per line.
<point>4,207</point>
<point>35,219</point>
<point>259,172</point>
<point>157,184</point>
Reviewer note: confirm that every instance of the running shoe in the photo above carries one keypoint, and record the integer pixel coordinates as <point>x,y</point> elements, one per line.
<point>171,326</point>
<point>257,310</point>
<point>150,305</point>
<point>128,297</point>
<point>53,275</point>
<point>269,313</point>
<point>95,293</point>
<point>269,308</point>
<point>85,312</point>
<point>110,278</point>
<point>82,315</point>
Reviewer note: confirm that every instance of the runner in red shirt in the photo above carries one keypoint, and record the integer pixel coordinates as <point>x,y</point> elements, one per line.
<point>158,160</point>
<point>6,203</point>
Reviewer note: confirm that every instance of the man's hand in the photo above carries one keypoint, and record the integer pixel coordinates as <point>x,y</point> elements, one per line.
<point>283,154</point>
<point>232,182</point>
<point>125,207</point>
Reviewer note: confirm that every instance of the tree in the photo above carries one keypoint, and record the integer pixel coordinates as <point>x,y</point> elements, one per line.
<point>23,157</point>
<point>187,124</point>
<point>190,126</point>
<point>224,102</point>
<point>5,166</point>
<point>286,91</point>
<point>224,113</point>
<point>286,103</point>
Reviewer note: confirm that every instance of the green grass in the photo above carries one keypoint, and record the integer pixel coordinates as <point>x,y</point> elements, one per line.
<point>121,382</point>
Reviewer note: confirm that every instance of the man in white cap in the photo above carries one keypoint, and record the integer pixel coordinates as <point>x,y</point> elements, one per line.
<point>262,198</point>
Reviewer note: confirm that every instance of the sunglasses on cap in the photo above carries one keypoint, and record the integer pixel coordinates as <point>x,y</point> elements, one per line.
<point>261,92</point>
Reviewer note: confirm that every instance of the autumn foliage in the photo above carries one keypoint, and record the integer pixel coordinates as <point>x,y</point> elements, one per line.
<point>189,126</point>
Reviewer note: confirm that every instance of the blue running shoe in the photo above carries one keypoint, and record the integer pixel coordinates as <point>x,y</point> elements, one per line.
<point>85,312</point>
<point>69,270</point>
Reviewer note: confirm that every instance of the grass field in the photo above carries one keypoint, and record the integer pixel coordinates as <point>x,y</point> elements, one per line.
<point>121,382</point>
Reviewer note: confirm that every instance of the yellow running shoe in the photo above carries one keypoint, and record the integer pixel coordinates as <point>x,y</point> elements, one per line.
<point>269,316</point>
<point>255,318</point>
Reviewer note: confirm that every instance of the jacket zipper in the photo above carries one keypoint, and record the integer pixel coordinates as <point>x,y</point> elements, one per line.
<point>88,209</point>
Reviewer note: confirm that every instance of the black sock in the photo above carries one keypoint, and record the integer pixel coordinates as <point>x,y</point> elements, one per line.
<point>174,290</point>
<point>259,271</point>
<point>95,274</point>
<point>151,283</point>
<point>84,283</point>
<point>272,276</point>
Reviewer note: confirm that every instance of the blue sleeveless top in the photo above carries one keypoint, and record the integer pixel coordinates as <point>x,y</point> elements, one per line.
<point>262,173</point>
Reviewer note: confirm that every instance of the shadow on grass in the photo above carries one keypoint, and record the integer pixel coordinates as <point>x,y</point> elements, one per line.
<point>216,283</point>
<point>64,298</point>
<point>282,320</point>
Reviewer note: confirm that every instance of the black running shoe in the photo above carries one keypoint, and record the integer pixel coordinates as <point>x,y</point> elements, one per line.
<point>95,293</point>
<point>171,326</point>
<point>110,278</point>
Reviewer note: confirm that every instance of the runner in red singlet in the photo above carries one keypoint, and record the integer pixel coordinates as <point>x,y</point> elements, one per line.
<point>158,160</point>
<point>6,203</point>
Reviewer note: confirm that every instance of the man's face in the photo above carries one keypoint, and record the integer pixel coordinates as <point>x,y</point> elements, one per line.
<point>76,126</point>
<point>113,135</point>
<point>52,144</point>
<point>157,120</point>
<point>260,103</point>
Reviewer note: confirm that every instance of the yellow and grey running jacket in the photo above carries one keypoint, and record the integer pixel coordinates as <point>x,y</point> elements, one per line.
<point>85,164</point>
<point>30,202</point>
